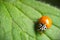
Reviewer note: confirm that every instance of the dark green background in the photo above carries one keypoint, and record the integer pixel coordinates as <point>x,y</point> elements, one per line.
<point>52,2</point>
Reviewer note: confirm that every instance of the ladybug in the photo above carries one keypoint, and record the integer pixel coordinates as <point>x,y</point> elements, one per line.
<point>44,23</point>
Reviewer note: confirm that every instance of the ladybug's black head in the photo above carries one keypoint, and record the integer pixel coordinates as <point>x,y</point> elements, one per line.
<point>41,27</point>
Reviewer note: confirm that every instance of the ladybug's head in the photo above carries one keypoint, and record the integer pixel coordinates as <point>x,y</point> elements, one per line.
<point>41,27</point>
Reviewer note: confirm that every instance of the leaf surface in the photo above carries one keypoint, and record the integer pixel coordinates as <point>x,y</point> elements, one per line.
<point>18,17</point>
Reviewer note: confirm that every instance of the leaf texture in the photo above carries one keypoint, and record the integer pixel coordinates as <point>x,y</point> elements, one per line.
<point>18,17</point>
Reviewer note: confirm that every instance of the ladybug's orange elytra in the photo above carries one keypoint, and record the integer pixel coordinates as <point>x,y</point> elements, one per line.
<point>46,21</point>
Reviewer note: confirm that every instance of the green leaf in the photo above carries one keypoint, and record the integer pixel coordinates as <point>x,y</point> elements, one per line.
<point>18,17</point>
